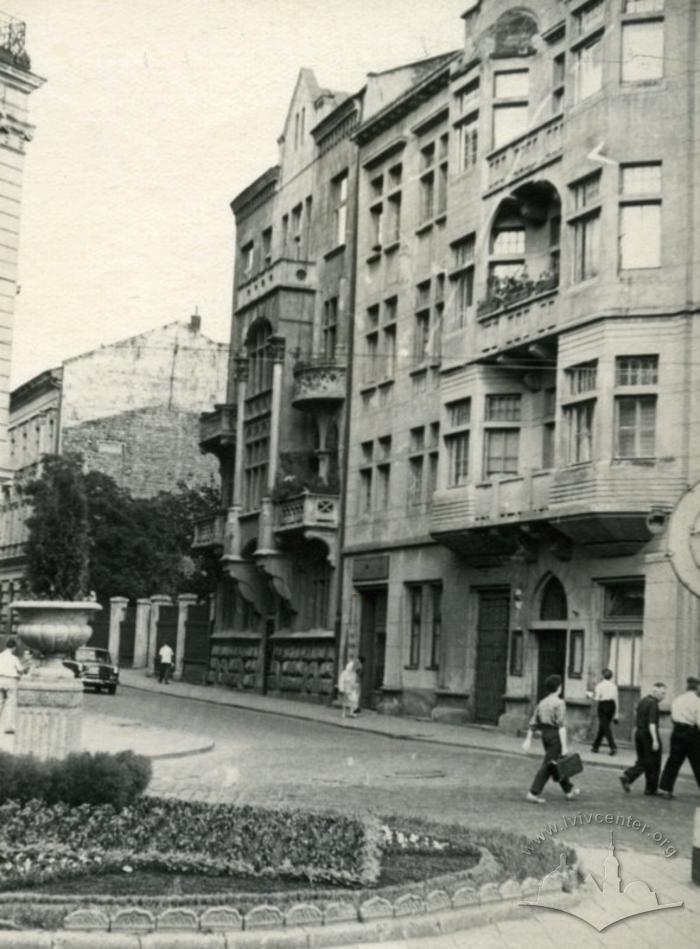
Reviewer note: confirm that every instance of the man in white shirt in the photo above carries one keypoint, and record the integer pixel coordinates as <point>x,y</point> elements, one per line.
<point>10,670</point>
<point>606,696</point>
<point>165,655</point>
<point>685,737</point>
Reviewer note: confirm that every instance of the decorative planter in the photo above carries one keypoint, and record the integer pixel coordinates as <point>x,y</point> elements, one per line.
<point>50,698</point>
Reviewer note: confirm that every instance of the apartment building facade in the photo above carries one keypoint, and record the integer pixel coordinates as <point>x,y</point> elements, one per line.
<point>524,411</point>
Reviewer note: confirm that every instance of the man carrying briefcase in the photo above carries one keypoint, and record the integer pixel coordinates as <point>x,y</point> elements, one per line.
<point>550,717</point>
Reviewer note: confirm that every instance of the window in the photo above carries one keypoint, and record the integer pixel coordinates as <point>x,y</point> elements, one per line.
<point>636,370</point>
<point>458,413</point>
<point>468,141</point>
<point>558,82</point>
<point>393,222</point>
<point>389,352</point>
<point>641,179</point>
<point>248,259</point>
<point>640,236</point>
<point>503,408</point>
<point>395,175</point>
<point>501,450</point>
<point>635,426</point>
<point>509,242</point>
<point>415,481</point>
<point>427,197</point>
<point>365,494</point>
<point>624,654</point>
<point>642,51</point>
<point>509,122</point>
<point>267,246</point>
<point>589,16</point>
<point>457,447</point>
<point>517,652</point>
<point>297,231</point>
<point>339,190</point>
<point>467,95</point>
<point>436,625</point>
<point>579,419</point>
<point>588,68</point>
<point>329,329</point>
<point>376,226</point>
<point>582,378</point>
<point>415,594</point>
<point>549,427</point>
<point>576,653</point>
<point>383,483</point>
<point>586,228</point>
<point>514,84</point>
<point>384,447</point>
<point>644,6</point>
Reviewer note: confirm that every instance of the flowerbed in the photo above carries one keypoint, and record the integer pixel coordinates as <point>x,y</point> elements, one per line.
<point>39,843</point>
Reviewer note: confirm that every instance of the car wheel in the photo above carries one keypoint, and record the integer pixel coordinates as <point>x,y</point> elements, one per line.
<point>112,689</point>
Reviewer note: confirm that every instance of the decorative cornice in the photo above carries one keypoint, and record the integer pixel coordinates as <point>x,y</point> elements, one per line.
<point>260,189</point>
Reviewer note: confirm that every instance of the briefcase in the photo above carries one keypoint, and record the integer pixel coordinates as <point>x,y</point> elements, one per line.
<point>568,766</point>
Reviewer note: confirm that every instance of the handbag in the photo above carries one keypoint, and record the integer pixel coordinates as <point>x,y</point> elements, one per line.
<point>568,766</point>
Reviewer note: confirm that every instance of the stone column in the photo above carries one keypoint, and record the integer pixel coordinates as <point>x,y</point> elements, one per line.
<point>156,602</point>
<point>241,375</point>
<point>184,601</point>
<point>276,346</point>
<point>143,610</point>
<point>117,608</point>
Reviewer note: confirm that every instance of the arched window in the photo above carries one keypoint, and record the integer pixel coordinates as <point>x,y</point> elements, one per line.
<point>259,361</point>
<point>553,605</point>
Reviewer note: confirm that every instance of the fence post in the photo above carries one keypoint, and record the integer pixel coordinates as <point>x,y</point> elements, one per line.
<point>117,608</point>
<point>156,602</point>
<point>143,610</point>
<point>184,601</point>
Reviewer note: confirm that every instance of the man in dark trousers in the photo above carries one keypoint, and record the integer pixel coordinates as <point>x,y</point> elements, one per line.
<point>605,696</point>
<point>685,737</point>
<point>550,717</point>
<point>647,742</point>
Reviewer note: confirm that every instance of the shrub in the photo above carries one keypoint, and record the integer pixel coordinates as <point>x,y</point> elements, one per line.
<point>39,842</point>
<point>82,778</point>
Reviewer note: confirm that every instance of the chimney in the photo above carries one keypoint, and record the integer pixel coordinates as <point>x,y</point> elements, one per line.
<point>195,321</point>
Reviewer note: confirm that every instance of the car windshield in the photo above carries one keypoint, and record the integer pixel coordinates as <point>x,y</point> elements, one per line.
<point>93,655</point>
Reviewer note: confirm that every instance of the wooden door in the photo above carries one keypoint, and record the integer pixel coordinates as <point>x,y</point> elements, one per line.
<point>551,657</point>
<point>373,645</point>
<point>491,655</point>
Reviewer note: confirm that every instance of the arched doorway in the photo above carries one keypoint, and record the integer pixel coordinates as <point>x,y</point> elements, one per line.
<point>551,629</point>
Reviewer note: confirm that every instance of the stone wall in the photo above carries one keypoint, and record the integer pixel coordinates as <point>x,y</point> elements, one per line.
<point>146,451</point>
<point>235,663</point>
<point>304,669</point>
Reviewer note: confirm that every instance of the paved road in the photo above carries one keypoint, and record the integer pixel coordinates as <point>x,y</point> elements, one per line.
<point>274,760</point>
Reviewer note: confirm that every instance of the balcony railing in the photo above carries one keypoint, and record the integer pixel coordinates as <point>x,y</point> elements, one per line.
<point>533,318</point>
<point>307,510</point>
<point>503,292</point>
<point>524,155</point>
<point>13,37</point>
<point>512,496</point>
<point>319,379</point>
<point>217,429</point>
<point>209,531</point>
<point>286,272</point>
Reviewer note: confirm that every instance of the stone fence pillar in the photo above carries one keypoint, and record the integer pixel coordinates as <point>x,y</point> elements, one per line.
<point>184,601</point>
<point>156,603</point>
<point>143,611</point>
<point>117,608</point>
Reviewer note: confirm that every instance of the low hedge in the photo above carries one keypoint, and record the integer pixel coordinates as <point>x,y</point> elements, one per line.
<point>40,842</point>
<point>82,778</point>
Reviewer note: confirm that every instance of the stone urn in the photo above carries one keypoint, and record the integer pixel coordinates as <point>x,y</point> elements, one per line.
<point>50,697</point>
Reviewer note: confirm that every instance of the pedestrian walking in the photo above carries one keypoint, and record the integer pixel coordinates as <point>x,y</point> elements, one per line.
<point>647,742</point>
<point>11,669</point>
<point>165,657</point>
<point>685,737</point>
<point>606,698</point>
<point>349,689</point>
<point>550,717</point>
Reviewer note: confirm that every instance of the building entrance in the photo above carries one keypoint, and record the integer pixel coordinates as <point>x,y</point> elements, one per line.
<point>491,655</point>
<point>372,645</point>
<point>551,657</point>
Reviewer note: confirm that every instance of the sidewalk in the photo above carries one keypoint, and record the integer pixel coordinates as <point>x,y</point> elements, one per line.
<point>483,737</point>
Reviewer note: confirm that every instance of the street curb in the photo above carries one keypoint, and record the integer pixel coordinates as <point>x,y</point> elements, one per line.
<point>202,750</point>
<point>437,740</point>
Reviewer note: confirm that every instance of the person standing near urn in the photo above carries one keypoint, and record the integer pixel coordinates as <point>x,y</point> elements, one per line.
<point>11,669</point>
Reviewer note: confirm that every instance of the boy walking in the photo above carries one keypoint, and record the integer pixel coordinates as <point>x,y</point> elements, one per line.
<point>647,742</point>
<point>550,717</point>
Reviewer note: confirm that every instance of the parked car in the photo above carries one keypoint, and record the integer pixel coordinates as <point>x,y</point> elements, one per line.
<point>95,668</point>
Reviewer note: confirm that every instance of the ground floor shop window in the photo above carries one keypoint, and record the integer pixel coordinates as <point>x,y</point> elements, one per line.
<point>623,655</point>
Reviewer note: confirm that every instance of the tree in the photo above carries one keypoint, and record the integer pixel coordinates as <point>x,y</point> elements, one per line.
<point>57,548</point>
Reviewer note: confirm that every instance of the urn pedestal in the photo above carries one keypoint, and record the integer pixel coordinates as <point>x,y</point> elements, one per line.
<point>50,698</point>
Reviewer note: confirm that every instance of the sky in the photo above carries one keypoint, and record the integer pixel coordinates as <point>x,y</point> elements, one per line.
<point>154,115</point>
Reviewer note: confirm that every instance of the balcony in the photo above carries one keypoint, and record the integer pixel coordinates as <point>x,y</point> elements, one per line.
<point>307,512</point>
<point>318,383</point>
<point>539,147</point>
<point>527,316</point>
<point>284,274</point>
<point>217,431</point>
<point>209,532</point>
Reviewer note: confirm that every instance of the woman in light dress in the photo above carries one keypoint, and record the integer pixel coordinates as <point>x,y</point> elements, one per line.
<point>349,688</point>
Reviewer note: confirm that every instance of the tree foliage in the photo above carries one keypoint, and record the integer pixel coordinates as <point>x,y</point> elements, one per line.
<point>140,546</point>
<point>58,544</point>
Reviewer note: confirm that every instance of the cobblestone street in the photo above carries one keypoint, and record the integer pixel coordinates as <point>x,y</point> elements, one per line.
<point>276,760</point>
